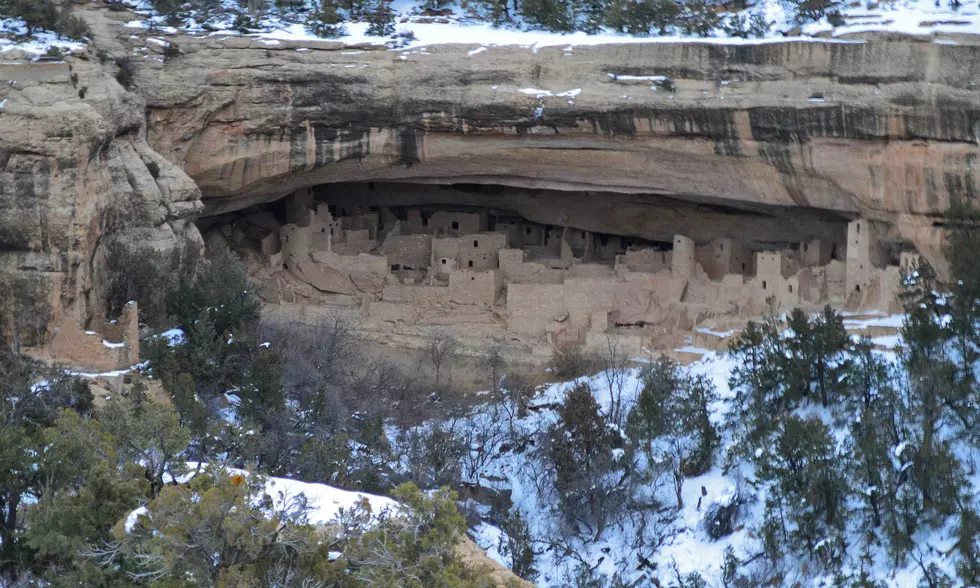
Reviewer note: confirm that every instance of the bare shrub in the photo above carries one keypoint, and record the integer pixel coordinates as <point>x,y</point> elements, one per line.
<point>570,362</point>
<point>440,351</point>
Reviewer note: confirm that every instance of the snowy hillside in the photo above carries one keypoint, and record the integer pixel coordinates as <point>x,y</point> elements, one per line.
<point>675,542</point>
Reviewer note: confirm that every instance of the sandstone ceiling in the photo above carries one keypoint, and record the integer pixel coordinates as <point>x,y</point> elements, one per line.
<point>884,128</point>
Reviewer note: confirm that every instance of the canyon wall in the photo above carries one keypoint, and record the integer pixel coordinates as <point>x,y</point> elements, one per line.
<point>76,172</point>
<point>884,128</point>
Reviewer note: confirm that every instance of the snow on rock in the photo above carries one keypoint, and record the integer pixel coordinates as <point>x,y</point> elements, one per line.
<point>489,538</point>
<point>326,501</point>
<point>721,334</point>
<point>894,321</point>
<point>547,93</point>
<point>38,45</point>
<point>109,374</point>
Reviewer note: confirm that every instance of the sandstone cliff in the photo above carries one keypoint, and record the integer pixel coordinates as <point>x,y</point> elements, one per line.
<point>75,171</point>
<point>883,127</point>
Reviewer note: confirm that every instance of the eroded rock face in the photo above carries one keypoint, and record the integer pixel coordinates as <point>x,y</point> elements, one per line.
<point>883,128</point>
<point>75,173</point>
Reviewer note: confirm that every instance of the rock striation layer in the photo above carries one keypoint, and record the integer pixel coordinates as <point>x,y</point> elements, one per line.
<point>884,128</point>
<point>881,127</point>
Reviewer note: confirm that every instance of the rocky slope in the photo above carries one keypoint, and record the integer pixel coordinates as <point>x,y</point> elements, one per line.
<point>883,127</point>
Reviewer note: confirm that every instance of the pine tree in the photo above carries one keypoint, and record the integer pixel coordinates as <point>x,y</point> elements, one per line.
<point>815,359</point>
<point>325,21</point>
<point>151,437</point>
<point>757,380</point>
<point>698,17</point>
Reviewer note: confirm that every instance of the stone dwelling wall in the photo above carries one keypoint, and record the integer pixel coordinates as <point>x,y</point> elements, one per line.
<point>408,250</point>
<point>816,252</point>
<point>532,307</point>
<point>864,252</point>
<point>367,221</point>
<point>477,288</point>
<point>725,256</point>
<point>479,252</point>
<point>645,260</point>
<point>607,247</point>
<point>518,271</point>
<point>682,261</point>
<point>424,298</point>
<point>445,254</point>
<point>357,241</point>
<point>112,347</point>
<point>295,242</point>
<point>456,223</point>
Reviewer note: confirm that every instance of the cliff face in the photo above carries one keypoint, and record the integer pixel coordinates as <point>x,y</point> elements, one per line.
<point>884,128</point>
<point>75,172</point>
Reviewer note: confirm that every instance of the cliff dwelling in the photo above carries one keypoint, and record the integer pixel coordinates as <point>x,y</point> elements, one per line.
<point>555,268</point>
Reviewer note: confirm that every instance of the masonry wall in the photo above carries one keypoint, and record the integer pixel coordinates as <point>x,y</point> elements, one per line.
<point>518,271</point>
<point>456,223</point>
<point>479,288</point>
<point>816,252</point>
<point>295,241</point>
<point>408,250</point>
<point>114,346</point>
<point>724,256</point>
<point>532,307</point>
<point>682,259</point>
<point>645,260</point>
<point>864,252</point>
<point>479,252</point>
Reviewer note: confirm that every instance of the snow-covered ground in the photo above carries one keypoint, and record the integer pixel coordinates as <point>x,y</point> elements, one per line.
<point>38,45</point>
<point>903,16</point>
<point>688,547</point>
<point>922,17</point>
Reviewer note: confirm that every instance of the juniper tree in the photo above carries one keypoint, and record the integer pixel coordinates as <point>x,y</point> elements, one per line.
<point>325,21</point>
<point>642,17</point>
<point>552,15</point>
<point>222,529</point>
<point>381,19</point>
<point>756,378</point>
<point>808,488</point>
<point>672,421</point>
<point>875,430</point>
<point>580,448</point>
<point>815,359</point>
<point>698,17</point>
